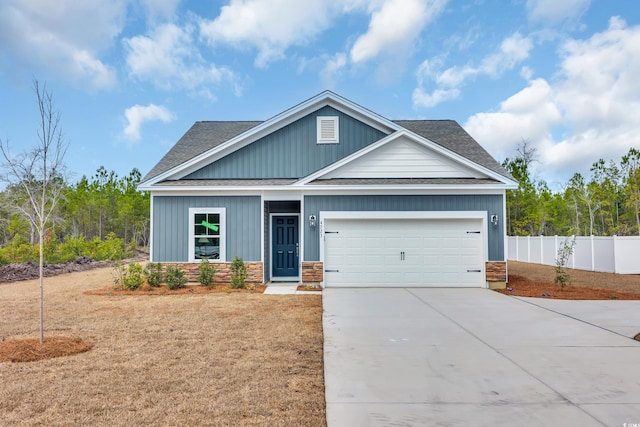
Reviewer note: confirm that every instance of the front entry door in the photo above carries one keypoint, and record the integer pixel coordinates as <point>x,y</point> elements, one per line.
<point>285,246</point>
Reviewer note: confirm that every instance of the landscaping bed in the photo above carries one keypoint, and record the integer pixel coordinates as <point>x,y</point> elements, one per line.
<point>536,280</point>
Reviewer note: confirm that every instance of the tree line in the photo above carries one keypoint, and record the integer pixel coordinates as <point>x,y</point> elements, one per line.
<point>92,208</point>
<point>605,203</point>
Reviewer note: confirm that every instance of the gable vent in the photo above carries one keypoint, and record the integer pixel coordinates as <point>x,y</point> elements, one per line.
<point>327,130</point>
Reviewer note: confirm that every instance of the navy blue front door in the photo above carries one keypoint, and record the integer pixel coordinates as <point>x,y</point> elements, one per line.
<point>285,246</point>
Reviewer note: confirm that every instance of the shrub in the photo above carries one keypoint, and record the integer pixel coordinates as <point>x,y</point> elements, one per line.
<point>564,252</point>
<point>73,247</point>
<point>113,248</point>
<point>207,271</point>
<point>175,278</point>
<point>128,277</point>
<point>133,278</point>
<point>238,273</point>
<point>153,274</point>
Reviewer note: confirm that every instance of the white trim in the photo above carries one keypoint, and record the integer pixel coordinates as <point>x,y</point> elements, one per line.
<point>222,235</point>
<point>262,242</point>
<point>505,253</point>
<point>335,123</point>
<point>286,192</point>
<point>271,125</point>
<point>479,215</point>
<point>151,229</point>
<point>293,195</point>
<point>300,248</point>
<point>301,228</point>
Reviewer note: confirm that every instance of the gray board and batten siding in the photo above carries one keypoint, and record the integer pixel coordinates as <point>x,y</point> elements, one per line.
<point>171,226</point>
<point>489,203</point>
<point>293,151</point>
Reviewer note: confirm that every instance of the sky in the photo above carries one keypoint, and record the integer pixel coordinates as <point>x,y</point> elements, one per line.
<point>130,77</point>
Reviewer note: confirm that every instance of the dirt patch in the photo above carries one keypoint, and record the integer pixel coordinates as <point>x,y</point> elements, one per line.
<point>535,280</point>
<point>31,350</point>
<point>226,358</point>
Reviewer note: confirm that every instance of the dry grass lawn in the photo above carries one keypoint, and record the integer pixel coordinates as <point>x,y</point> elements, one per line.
<point>191,359</point>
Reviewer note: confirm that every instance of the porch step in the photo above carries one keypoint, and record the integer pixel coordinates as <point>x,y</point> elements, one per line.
<point>281,288</point>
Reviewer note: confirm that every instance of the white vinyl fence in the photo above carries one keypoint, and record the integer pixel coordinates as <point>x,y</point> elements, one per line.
<point>611,254</point>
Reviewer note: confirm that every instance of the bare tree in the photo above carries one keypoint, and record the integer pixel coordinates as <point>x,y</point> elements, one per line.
<point>526,152</point>
<point>39,174</point>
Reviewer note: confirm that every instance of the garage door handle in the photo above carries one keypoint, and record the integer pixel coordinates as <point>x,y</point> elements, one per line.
<point>473,232</point>
<point>332,271</point>
<point>474,271</point>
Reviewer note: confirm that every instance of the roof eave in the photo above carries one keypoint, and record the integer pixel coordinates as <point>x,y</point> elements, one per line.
<point>338,188</point>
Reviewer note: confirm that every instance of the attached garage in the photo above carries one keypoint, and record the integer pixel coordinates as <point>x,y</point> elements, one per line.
<point>422,250</point>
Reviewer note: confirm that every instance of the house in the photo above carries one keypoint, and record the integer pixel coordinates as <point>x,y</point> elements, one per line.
<point>328,192</point>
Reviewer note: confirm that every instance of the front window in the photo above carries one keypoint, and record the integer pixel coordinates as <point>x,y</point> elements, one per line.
<point>207,232</point>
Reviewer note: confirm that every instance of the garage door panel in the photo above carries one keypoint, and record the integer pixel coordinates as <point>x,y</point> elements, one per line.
<point>396,252</point>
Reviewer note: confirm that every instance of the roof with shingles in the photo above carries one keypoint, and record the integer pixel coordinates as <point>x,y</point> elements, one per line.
<point>205,135</point>
<point>333,181</point>
<point>202,137</point>
<point>225,182</point>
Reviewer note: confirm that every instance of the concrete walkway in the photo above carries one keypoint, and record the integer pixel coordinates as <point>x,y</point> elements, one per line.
<point>280,288</point>
<point>461,357</point>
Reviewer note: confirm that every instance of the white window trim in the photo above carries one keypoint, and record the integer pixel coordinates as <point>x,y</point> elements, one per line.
<point>223,232</point>
<point>336,124</point>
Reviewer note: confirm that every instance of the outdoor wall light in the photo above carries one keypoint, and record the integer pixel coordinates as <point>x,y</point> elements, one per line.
<point>312,220</point>
<point>494,220</point>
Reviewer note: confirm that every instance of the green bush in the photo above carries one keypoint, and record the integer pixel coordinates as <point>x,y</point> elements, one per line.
<point>128,277</point>
<point>238,273</point>
<point>133,277</point>
<point>175,278</point>
<point>4,259</point>
<point>19,250</point>
<point>207,272</point>
<point>25,252</point>
<point>74,247</point>
<point>153,274</point>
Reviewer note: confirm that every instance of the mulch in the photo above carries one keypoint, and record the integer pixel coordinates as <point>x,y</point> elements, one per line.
<point>189,289</point>
<point>522,286</point>
<point>30,349</point>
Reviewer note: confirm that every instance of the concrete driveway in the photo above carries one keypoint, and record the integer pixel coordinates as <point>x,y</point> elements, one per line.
<point>473,357</point>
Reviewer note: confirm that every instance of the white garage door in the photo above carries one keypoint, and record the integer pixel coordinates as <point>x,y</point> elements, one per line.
<point>403,252</point>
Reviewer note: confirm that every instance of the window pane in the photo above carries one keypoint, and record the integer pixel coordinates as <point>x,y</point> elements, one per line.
<point>207,247</point>
<point>199,228</point>
<point>213,224</point>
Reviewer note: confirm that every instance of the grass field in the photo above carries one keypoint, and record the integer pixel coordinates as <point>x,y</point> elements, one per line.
<point>191,359</point>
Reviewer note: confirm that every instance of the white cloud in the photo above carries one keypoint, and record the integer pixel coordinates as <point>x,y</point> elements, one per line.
<point>553,12</point>
<point>168,58</point>
<point>139,114</point>
<point>65,36</point>
<point>529,114</point>
<point>513,50</point>
<point>271,27</point>
<point>394,27</point>
<point>159,9</point>
<point>332,68</point>
<point>590,111</point>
